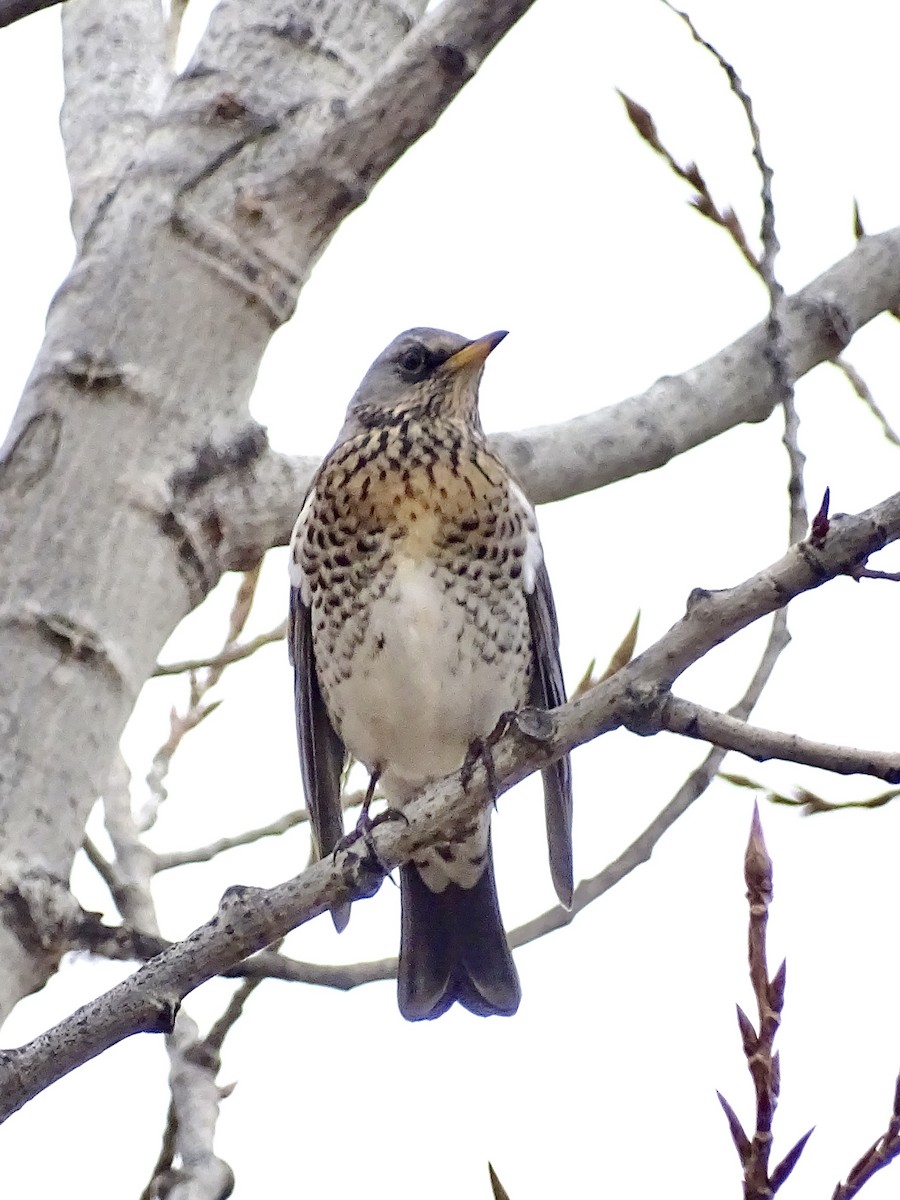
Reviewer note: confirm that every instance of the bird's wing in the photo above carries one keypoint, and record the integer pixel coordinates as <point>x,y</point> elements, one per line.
<point>321,750</point>
<point>548,691</point>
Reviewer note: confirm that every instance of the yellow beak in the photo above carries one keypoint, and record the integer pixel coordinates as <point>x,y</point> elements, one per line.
<point>475,352</point>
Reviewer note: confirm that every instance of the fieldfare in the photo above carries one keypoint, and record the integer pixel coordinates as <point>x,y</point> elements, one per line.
<point>420,613</point>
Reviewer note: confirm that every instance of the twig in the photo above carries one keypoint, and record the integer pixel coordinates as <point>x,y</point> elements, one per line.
<point>702,200</point>
<point>879,1154</point>
<point>229,1018</point>
<point>762,1060</point>
<point>193,1108</point>
<point>193,1067</point>
<point>103,868</point>
<point>864,392</point>
<point>808,801</point>
<point>201,854</point>
<point>165,1158</point>
<point>224,658</point>
<point>776,341</point>
<point>868,573</point>
<point>695,721</point>
<point>197,711</point>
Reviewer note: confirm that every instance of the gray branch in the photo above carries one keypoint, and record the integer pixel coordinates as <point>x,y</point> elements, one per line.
<point>257,509</point>
<point>250,919</point>
<point>720,729</point>
<point>116,80</point>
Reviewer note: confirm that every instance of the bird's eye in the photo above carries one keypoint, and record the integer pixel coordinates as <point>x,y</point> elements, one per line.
<point>413,362</point>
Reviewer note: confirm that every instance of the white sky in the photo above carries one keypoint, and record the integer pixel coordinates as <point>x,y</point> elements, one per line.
<point>534,207</point>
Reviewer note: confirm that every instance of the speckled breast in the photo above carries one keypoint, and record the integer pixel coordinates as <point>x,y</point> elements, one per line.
<point>413,552</point>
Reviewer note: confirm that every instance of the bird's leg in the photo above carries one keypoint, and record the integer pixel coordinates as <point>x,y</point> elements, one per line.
<point>532,723</point>
<point>480,751</point>
<point>362,821</point>
<point>505,722</point>
<point>365,824</point>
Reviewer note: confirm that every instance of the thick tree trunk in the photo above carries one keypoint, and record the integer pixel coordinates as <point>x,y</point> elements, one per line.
<point>200,205</point>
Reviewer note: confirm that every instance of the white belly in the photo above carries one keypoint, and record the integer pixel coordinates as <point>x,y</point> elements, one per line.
<point>421,690</point>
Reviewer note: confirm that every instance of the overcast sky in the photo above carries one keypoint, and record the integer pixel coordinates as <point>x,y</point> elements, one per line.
<point>534,207</point>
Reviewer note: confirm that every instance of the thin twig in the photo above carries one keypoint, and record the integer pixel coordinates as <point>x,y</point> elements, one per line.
<point>201,854</point>
<point>864,392</point>
<point>776,350</point>
<point>201,682</point>
<point>166,1156</point>
<point>104,869</point>
<point>193,1108</point>
<point>808,801</point>
<point>762,1060</point>
<point>224,658</point>
<point>879,1154</point>
<point>695,721</point>
<point>702,200</point>
<point>223,1026</point>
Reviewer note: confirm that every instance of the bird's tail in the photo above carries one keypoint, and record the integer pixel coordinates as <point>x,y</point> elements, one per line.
<point>453,948</point>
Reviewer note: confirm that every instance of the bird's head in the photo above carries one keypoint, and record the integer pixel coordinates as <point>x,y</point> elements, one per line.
<point>423,372</point>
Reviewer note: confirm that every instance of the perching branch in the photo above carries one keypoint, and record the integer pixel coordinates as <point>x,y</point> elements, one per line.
<point>250,919</point>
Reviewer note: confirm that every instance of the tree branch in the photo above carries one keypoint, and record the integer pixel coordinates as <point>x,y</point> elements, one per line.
<point>116,78</point>
<point>166,860</point>
<point>257,509</point>
<point>231,654</point>
<point>250,919</point>
<point>695,721</point>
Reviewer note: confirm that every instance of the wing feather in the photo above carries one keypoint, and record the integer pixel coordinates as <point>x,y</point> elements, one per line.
<point>322,752</point>
<point>548,691</point>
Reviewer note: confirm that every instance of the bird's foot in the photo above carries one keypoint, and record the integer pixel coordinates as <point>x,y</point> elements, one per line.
<point>365,823</point>
<point>505,722</point>
<point>480,751</point>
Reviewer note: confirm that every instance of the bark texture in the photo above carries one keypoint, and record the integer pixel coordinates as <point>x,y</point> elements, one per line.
<point>200,203</point>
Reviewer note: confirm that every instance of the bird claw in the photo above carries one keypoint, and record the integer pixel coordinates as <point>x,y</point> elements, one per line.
<point>480,751</point>
<point>365,824</point>
<point>505,722</point>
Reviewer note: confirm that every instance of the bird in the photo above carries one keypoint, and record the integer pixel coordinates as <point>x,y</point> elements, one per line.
<point>421,613</point>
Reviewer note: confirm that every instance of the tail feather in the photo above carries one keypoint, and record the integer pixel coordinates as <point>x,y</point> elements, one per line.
<point>453,949</point>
